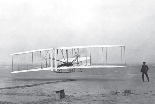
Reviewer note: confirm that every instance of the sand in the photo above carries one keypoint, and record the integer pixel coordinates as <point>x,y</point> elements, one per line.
<point>99,89</point>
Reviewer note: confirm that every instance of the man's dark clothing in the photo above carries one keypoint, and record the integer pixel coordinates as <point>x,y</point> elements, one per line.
<point>144,71</point>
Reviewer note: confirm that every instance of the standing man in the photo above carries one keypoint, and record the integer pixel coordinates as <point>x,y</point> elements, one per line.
<point>144,71</point>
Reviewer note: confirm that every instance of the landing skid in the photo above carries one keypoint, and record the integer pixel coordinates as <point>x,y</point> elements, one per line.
<point>65,70</point>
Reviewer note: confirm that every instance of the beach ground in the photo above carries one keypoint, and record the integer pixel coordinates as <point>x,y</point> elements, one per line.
<point>115,88</point>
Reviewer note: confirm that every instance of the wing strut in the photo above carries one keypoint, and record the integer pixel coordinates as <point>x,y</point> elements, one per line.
<point>49,59</point>
<point>103,55</point>
<point>62,54</point>
<point>27,65</point>
<point>72,52</point>
<point>32,59</point>
<point>121,54</point>
<point>51,52</point>
<point>12,63</point>
<point>18,61</point>
<point>124,56</point>
<point>90,56</point>
<point>86,56</point>
<point>67,55</point>
<point>40,60</point>
<point>78,56</point>
<point>106,55</point>
<point>55,59</point>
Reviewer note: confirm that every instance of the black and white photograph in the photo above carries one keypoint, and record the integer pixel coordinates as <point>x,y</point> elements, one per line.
<point>77,52</point>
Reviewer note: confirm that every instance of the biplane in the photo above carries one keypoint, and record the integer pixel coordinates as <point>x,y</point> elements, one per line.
<point>67,59</point>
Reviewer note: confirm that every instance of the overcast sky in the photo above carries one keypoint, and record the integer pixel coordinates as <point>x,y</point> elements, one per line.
<point>34,24</point>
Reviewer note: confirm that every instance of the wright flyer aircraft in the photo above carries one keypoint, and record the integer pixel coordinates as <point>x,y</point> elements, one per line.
<point>68,59</point>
